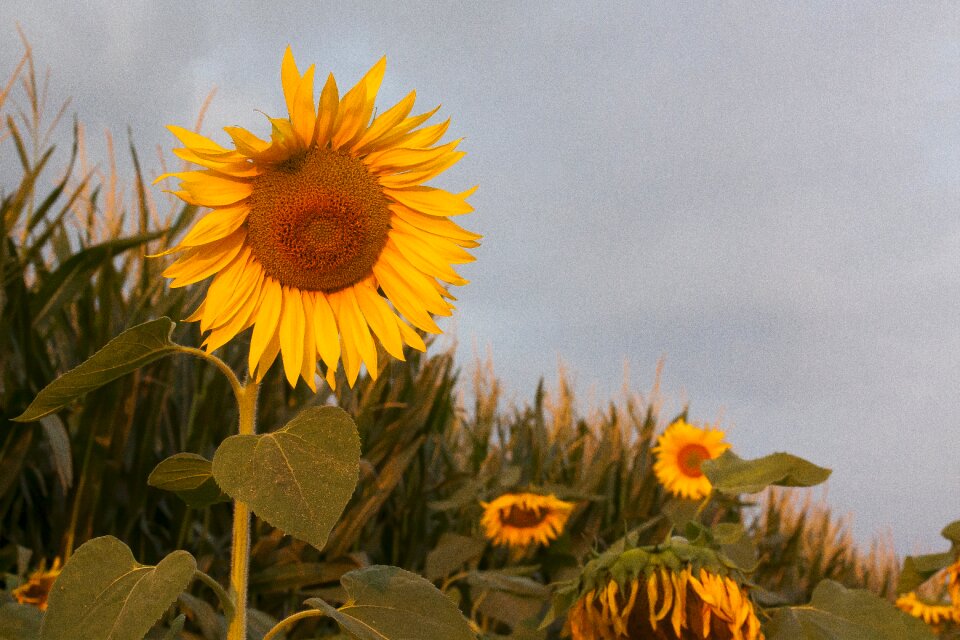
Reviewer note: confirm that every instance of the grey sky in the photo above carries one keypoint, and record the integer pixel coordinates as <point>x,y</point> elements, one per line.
<point>765,193</point>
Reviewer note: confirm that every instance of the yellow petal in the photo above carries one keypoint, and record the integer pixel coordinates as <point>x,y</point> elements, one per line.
<point>386,121</point>
<point>423,258</point>
<point>267,321</point>
<point>216,225</point>
<point>435,225</point>
<point>195,140</point>
<point>224,285</point>
<point>210,190</point>
<point>357,106</point>
<point>325,331</point>
<point>304,117</point>
<point>400,134</point>
<point>327,114</point>
<point>405,159</point>
<point>199,263</point>
<point>423,286</point>
<point>266,360</point>
<point>403,298</point>
<point>291,334</point>
<point>421,174</point>
<point>432,201</point>
<point>246,305</point>
<point>246,143</point>
<point>308,366</point>
<point>289,80</point>
<point>380,317</point>
<point>354,332</point>
<point>411,337</point>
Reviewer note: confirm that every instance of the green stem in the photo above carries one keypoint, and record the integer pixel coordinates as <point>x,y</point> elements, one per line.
<point>222,595</point>
<point>240,553</point>
<point>238,389</point>
<point>286,622</point>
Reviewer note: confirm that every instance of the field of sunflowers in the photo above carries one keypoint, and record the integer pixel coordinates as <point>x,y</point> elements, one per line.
<point>403,497</point>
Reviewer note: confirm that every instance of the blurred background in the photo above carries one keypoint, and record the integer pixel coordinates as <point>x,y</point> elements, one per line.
<point>765,196</point>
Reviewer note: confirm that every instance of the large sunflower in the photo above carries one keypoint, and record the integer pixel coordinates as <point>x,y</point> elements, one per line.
<point>324,236</point>
<point>680,451</point>
<point>518,520</point>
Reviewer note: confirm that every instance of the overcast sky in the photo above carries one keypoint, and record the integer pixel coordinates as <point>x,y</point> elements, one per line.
<point>767,194</point>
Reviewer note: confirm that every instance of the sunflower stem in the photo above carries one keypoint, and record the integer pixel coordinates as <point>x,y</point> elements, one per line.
<point>240,552</point>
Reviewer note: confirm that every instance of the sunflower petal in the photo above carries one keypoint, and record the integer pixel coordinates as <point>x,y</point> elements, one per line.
<point>380,318</point>
<point>327,113</point>
<point>291,334</point>
<point>268,320</point>
<point>216,225</point>
<point>432,201</point>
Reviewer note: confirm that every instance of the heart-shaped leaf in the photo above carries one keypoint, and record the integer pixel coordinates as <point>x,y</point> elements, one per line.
<point>387,603</point>
<point>733,475</point>
<point>838,613</point>
<point>189,476</point>
<point>298,478</point>
<point>104,594</point>
<point>127,352</point>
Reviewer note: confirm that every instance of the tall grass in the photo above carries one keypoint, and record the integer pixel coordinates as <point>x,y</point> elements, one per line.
<point>74,274</point>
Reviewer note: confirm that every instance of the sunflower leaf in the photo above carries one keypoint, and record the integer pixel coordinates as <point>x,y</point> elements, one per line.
<point>918,569</point>
<point>127,352</point>
<point>388,603</point>
<point>19,621</point>
<point>298,478</point>
<point>838,613</point>
<point>733,475</point>
<point>190,477</point>
<point>104,594</point>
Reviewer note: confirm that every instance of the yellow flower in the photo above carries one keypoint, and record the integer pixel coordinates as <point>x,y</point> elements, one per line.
<point>680,451</point>
<point>36,589</point>
<point>519,520</point>
<point>324,236</point>
<point>932,614</point>
<point>668,605</point>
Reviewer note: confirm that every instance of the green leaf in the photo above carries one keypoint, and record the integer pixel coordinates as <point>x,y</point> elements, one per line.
<point>59,441</point>
<point>733,475</point>
<point>387,603</point>
<point>189,476</point>
<point>104,594</point>
<point>298,478</point>
<point>451,553</point>
<point>19,621</point>
<point>837,613</point>
<point>952,532</point>
<point>127,352</point>
<point>918,569</point>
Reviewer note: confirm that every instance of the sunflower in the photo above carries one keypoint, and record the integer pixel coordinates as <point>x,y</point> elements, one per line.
<point>324,239</point>
<point>671,605</point>
<point>518,520</point>
<point>680,451</point>
<point>932,614</point>
<point>37,587</point>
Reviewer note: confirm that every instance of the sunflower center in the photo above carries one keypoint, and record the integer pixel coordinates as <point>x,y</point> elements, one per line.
<point>522,518</point>
<point>317,221</point>
<point>690,457</point>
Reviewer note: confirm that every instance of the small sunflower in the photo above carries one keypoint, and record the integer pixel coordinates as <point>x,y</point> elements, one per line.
<point>680,451</point>
<point>932,614</point>
<point>37,587</point>
<point>518,520</point>
<point>324,236</point>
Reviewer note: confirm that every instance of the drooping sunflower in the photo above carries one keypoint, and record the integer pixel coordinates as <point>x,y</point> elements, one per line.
<point>673,591</point>
<point>323,238</point>
<point>518,520</point>
<point>36,589</point>
<point>932,613</point>
<point>680,451</point>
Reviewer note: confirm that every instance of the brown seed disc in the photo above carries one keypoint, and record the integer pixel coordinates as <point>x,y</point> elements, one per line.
<point>523,518</point>
<point>317,221</point>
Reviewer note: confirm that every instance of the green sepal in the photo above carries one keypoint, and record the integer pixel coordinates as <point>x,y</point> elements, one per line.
<point>102,593</point>
<point>918,569</point>
<point>298,478</point>
<point>190,476</point>
<point>732,475</point>
<point>388,603</point>
<point>838,613</point>
<point>129,351</point>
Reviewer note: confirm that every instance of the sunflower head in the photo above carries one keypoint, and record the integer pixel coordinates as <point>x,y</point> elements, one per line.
<point>938,604</point>
<point>325,238</point>
<point>37,587</point>
<point>934,614</point>
<point>520,520</point>
<point>673,592</point>
<point>680,451</point>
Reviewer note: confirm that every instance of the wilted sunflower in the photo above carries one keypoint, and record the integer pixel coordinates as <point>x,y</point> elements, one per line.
<point>932,614</point>
<point>324,236</point>
<point>518,520</point>
<point>680,451</point>
<point>37,588</point>
<point>674,591</point>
